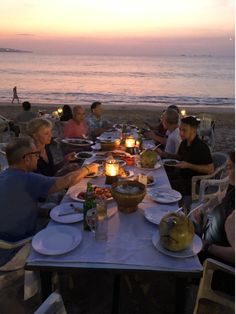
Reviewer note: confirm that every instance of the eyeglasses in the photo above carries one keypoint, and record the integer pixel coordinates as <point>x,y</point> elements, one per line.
<point>36,154</point>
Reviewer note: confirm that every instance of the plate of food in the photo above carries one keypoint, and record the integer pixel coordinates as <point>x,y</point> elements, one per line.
<point>192,250</point>
<point>125,174</point>
<point>170,162</point>
<point>103,193</point>
<point>165,196</point>
<point>84,155</point>
<point>77,142</point>
<point>150,179</point>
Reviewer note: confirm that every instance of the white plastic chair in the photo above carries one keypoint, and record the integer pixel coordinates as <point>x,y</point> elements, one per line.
<point>209,190</point>
<point>209,300</point>
<point>52,305</point>
<point>3,161</point>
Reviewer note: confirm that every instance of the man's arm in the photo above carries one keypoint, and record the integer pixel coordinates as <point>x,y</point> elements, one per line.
<point>208,169</point>
<point>72,178</point>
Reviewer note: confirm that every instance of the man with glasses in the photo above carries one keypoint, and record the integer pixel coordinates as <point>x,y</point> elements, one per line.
<point>20,190</point>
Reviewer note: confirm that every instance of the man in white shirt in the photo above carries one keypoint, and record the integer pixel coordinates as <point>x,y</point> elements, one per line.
<point>171,123</point>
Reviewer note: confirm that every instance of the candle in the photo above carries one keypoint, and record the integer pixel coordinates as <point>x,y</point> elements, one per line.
<point>59,110</point>
<point>111,171</point>
<point>130,142</point>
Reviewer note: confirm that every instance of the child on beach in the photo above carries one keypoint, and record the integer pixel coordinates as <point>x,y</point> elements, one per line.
<point>15,96</point>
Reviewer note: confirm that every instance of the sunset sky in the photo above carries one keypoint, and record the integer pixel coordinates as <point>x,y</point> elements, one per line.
<point>119,26</point>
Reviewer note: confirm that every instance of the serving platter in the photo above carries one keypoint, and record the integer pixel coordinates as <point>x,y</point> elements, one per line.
<point>165,196</point>
<point>77,142</point>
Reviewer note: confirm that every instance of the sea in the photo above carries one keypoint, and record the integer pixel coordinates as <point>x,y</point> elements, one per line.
<point>77,79</point>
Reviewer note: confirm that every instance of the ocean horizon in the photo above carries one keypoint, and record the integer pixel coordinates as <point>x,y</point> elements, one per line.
<point>74,79</point>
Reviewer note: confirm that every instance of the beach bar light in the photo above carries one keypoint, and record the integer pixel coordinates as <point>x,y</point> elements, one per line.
<point>130,144</point>
<point>183,112</point>
<point>59,110</point>
<point>111,170</point>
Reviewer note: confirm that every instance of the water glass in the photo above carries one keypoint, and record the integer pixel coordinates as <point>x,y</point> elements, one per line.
<point>101,221</point>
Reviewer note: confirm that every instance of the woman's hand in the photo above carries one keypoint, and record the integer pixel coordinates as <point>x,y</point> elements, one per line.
<point>70,157</point>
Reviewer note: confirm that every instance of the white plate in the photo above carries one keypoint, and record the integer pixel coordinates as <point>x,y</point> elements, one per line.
<point>192,250</point>
<point>165,196</point>
<point>165,161</point>
<point>57,240</point>
<point>97,146</point>
<point>154,215</point>
<point>77,142</point>
<point>157,165</point>
<point>65,219</point>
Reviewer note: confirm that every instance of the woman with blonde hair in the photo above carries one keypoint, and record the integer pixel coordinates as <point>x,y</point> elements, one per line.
<point>40,129</point>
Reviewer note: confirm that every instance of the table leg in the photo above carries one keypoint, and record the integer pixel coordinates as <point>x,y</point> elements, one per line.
<point>46,284</point>
<point>116,294</point>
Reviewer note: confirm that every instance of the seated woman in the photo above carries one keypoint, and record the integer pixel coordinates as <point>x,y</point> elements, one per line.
<point>40,129</point>
<point>217,225</point>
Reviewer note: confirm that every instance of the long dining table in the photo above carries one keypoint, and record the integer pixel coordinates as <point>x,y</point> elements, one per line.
<point>129,245</point>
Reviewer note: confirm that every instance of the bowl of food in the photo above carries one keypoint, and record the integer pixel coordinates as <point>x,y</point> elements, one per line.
<point>170,164</point>
<point>128,194</point>
<point>108,145</point>
<point>84,155</point>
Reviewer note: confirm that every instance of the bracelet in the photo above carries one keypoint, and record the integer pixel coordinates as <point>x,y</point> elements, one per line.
<point>87,168</point>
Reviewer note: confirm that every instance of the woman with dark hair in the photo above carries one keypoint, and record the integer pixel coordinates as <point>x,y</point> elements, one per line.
<point>66,113</point>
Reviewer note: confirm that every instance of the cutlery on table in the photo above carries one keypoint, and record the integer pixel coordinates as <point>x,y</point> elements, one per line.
<point>71,210</point>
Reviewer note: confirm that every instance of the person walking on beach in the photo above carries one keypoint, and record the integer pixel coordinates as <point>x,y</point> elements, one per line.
<point>15,96</point>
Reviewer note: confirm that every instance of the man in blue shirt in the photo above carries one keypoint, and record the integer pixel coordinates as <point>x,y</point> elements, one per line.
<point>97,125</point>
<point>20,190</point>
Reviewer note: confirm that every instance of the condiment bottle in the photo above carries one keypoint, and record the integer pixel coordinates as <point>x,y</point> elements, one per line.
<point>89,203</point>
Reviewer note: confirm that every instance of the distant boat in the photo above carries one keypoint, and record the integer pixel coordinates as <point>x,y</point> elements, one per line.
<point>14,50</point>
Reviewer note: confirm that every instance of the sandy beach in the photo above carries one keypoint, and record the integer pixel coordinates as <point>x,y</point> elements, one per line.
<point>224,117</point>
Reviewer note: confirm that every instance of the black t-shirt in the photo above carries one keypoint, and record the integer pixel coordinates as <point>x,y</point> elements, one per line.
<point>46,168</point>
<point>197,153</point>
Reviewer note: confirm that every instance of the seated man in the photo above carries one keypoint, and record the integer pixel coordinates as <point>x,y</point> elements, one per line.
<point>77,126</point>
<point>26,115</point>
<point>97,125</point>
<point>170,121</point>
<point>20,190</point>
<point>160,133</point>
<point>194,155</point>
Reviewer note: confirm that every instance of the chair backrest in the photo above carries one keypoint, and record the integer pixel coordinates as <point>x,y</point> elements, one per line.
<point>3,161</point>
<point>52,305</point>
<point>220,163</point>
<point>59,125</point>
<point>206,121</point>
<point>209,300</point>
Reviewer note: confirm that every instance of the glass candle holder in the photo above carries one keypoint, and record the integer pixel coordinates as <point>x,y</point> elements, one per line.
<point>111,171</point>
<point>130,144</point>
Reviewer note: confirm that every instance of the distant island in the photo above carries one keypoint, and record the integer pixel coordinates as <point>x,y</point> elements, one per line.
<point>14,50</point>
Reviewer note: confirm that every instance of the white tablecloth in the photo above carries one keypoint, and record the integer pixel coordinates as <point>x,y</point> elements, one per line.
<point>129,243</point>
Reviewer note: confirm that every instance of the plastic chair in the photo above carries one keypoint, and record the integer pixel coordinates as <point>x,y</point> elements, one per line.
<point>52,305</point>
<point>210,191</point>
<point>3,160</point>
<point>209,300</point>
<point>206,128</point>
<point>8,278</point>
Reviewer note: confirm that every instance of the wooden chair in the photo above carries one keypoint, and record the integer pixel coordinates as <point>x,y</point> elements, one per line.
<point>209,189</point>
<point>209,300</point>
<point>52,305</point>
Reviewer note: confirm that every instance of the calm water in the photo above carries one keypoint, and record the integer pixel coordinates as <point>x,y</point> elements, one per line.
<point>73,79</point>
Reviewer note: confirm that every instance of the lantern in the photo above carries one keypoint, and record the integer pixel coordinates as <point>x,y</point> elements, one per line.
<point>183,112</point>
<point>111,171</point>
<point>59,110</point>
<point>130,144</point>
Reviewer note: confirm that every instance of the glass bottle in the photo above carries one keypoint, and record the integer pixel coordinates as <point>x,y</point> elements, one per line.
<point>89,204</point>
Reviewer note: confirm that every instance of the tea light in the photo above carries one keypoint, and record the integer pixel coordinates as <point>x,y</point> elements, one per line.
<point>130,144</point>
<point>183,112</point>
<point>111,171</point>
